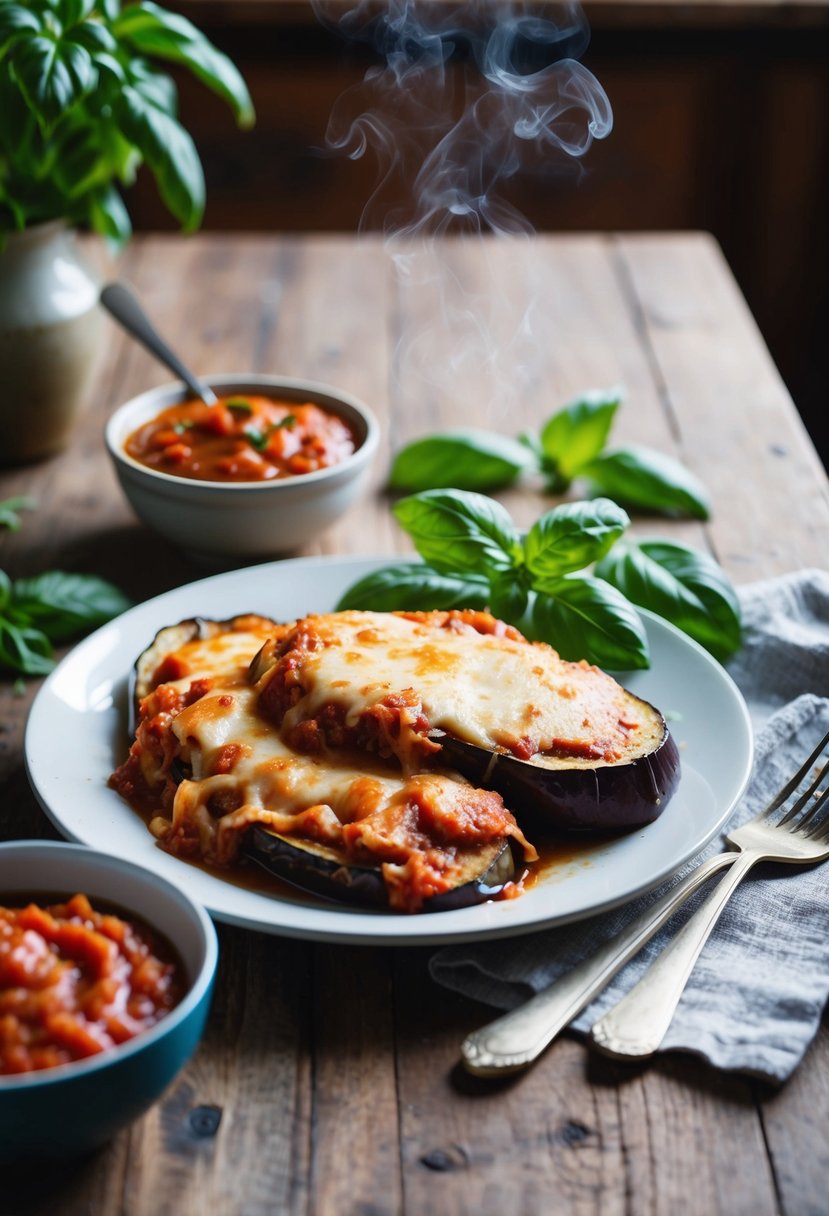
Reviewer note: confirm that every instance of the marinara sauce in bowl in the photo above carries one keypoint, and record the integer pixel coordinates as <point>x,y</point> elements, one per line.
<point>257,475</point>
<point>244,437</point>
<point>77,980</point>
<point>106,973</point>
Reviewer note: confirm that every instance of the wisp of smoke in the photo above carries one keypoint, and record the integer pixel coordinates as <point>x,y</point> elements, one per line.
<point>463,98</point>
<point>446,139</point>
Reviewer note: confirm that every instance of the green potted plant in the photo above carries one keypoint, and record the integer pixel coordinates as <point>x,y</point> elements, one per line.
<point>82,106</point>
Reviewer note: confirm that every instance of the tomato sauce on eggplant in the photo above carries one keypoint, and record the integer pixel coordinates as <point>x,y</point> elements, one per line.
<point>245,437</point>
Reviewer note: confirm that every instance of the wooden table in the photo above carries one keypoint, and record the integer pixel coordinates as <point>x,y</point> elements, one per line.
<point>335,1069</point>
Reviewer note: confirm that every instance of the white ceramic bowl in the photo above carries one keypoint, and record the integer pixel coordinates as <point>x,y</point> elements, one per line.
<point>243,521</point>
<point>74,1107</point>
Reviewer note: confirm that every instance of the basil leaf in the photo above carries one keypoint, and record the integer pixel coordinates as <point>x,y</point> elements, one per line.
<point>508,597</point>
<point>109,216</point>
<point>154,31</point>
<point>25,649</point>
<point>572,536</point>
<point>168,150</point>
<point>54,74</point>
<point>64,604</point>
<point>585,618</point>
<point>683,585</point>
<point>459,533</point>
<point>575,435</point>
<point>16,20</point>
<point>9,511</point>
<point>641,477</point>
<point>81,166</point>
<point>467,459</point>
<point>5,590</point>
<point>416,587</point>
<point>94,35</point>
<point>155,87</point>
<point>73,11</point>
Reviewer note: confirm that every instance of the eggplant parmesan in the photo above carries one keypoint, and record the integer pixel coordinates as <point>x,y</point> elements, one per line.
<point>218,783</point>
<point>369,756</point>
<point>561,738</point>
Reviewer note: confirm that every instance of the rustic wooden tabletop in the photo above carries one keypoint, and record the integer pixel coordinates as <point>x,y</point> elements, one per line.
<point>328,1080</point>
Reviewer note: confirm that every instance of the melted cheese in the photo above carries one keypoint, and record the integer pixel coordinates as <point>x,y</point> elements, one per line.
<point>423,832</point>
<point>489,690</point>
<point>345,802</point>
<point>268,774</point>
<point>225,654</point>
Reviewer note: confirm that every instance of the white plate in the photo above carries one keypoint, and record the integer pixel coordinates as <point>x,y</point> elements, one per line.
<point>76,735</point>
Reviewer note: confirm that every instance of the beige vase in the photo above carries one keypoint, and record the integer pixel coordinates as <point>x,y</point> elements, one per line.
<point>49,332</point>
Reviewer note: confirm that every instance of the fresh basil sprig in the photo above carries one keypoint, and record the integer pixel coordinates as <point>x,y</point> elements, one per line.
<point>51,607</point>
<point>571,445</point>
<point>475,557</point>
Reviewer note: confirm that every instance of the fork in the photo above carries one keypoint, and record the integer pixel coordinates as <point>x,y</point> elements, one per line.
<point>636,1026</point>
<point>517,1038</point>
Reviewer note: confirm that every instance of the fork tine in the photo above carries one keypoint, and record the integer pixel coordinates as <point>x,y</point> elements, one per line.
<point>816,825</point>
<point>791,785</point>
<point>802,801</point>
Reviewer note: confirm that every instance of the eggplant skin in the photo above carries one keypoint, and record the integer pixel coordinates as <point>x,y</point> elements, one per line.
<point>319,870</point>
<point>607,798</point>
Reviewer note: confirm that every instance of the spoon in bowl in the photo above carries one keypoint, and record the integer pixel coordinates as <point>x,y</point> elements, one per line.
<point>121,302</point>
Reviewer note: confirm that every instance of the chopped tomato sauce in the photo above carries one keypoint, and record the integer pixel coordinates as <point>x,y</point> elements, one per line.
<point>242,438</point>
<point>75,981</point>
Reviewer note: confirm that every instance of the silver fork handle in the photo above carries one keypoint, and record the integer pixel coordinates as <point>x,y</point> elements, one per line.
<point>517,1038</point>
<point>639,1022</point>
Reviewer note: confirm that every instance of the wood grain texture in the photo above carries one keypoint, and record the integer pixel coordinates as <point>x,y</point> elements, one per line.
<point>328,1081</point>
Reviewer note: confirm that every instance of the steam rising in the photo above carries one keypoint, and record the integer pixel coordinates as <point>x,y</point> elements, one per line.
<point>448,140</point>
<point>463,99</point>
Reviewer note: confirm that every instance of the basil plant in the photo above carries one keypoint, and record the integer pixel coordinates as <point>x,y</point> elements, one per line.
<point>83,105</point>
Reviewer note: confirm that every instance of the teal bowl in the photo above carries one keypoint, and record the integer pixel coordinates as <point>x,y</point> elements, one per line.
<point>77,1107</point>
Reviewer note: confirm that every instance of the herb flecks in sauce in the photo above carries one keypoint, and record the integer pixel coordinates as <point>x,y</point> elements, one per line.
<point>250,438</point>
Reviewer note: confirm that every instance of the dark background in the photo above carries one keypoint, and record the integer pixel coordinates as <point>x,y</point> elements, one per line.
<point>721,115</point>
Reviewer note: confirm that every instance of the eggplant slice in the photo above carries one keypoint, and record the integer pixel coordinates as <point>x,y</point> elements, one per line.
<point>378,682</point>
<point>170,639</point>
<point>305,864</point>
<point>561,797</point>
<point>324,871</point>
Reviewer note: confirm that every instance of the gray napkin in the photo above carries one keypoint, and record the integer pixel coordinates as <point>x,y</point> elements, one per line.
<point>755,997</point>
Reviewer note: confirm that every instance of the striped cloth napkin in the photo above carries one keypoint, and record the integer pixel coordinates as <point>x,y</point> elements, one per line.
<point>755,998</point>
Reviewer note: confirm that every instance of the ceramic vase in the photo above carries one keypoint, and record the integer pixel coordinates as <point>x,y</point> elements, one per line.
<point>49,331</point>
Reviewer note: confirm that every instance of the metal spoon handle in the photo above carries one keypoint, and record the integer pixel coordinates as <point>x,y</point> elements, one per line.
<point>120,301</point>
<point>517,1038</point>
